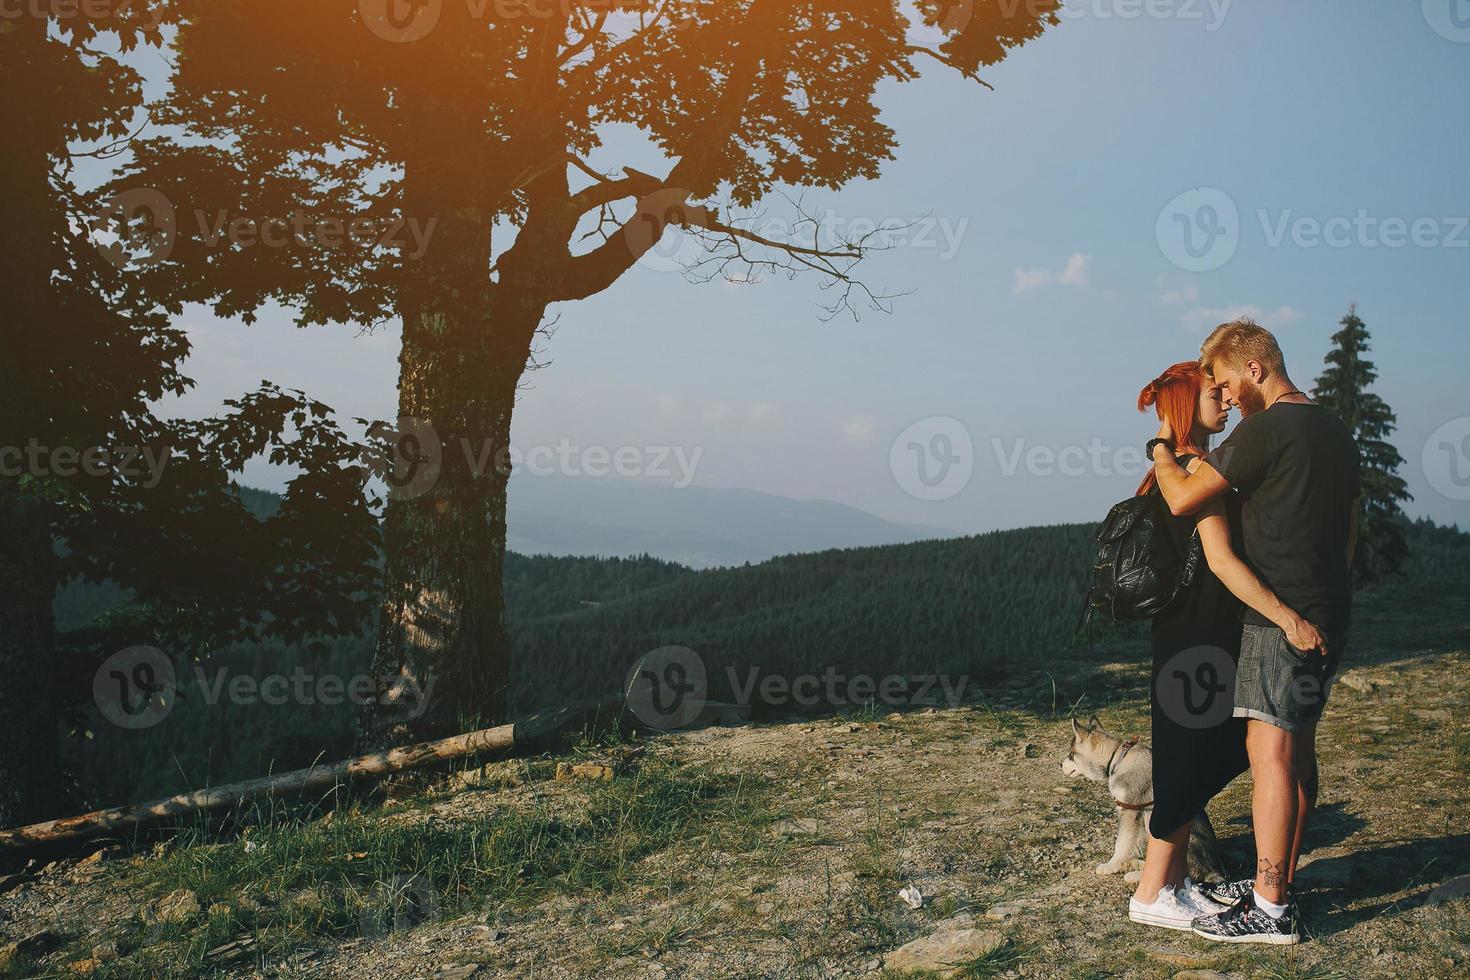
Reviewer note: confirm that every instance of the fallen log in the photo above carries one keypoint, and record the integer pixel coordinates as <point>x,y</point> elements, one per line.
<point>535,733</point>
<point>312,778</point>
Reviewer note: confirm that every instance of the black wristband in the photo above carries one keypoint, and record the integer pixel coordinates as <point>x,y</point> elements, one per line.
<point>1148,450</point>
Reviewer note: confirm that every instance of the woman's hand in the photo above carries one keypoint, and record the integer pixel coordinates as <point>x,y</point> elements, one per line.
<point>1303,635</point>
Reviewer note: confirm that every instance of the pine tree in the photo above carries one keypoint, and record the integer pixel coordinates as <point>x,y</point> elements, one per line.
<point>1343,386</point>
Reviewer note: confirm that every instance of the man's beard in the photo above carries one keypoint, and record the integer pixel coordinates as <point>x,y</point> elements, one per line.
<point>1249,398</point>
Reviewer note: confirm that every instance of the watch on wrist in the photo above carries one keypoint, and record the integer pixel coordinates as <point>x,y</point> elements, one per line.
<point>1148,450</point>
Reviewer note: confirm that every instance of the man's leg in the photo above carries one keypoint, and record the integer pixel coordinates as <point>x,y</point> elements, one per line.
<point>1273,804</point>
<point>1305,762</point>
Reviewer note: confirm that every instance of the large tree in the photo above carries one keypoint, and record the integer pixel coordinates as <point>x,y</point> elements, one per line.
<point>1343,386</point>
<point>87,359</point>
<point>477,121</point>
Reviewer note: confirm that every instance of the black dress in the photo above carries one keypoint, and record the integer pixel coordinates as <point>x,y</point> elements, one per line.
<point>1198,748</point>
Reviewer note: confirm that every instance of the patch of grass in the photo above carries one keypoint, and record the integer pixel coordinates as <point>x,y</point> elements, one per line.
<point>367,874</point>
<point>1459,741</point>
<point>1002,959</point>
<point>1289,970</point>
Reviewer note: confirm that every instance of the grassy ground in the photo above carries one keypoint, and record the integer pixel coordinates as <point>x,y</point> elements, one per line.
<point>779,850</point>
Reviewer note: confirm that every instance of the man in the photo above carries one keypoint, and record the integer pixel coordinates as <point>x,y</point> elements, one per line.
<point>1295,466</point>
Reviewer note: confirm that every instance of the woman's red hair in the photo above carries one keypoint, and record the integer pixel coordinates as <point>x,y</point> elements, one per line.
<point>1174,396</point>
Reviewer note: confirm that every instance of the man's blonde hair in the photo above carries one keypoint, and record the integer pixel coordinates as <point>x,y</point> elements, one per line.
<point>1239,341</point>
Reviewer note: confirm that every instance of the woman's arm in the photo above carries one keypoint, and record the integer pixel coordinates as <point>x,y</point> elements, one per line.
<point>1214,534</point>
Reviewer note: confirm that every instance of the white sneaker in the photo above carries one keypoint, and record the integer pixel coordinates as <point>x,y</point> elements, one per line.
<point>1168,911</point>
<point>1191,894</point>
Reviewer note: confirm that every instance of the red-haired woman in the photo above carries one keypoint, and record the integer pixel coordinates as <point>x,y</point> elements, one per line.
<point>1198,748</point>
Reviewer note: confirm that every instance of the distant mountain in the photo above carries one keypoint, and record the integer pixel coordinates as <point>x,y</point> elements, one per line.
<point>701,527</point>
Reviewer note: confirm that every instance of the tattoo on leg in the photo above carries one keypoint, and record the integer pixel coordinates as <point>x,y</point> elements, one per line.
<point>1273,872</point>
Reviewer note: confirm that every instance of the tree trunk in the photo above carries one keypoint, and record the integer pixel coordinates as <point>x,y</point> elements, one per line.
<point>28,739</point>
<point>442,658</point>
<point>28,717</point>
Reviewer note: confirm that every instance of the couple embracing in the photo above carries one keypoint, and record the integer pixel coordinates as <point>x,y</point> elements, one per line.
<point>1275,506</point>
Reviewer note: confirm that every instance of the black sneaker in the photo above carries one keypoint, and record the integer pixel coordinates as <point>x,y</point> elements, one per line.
<point>1244,923</point>
<point>1230,892</point>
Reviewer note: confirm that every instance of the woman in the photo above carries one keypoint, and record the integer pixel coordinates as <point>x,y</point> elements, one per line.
<point>1192,763</point>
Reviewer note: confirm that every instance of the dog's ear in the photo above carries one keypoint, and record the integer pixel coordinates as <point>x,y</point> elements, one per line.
<point>1093,725</point>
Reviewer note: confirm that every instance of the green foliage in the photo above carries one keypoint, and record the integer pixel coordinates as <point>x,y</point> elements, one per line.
<point>1343,387</point>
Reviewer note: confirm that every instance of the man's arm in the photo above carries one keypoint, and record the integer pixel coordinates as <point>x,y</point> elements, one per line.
<point>1185,492</point>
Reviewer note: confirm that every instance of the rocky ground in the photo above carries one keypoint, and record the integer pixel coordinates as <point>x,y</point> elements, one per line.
<point>800,876</point>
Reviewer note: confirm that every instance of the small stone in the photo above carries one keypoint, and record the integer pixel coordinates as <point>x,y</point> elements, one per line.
<point>175,908</point>
<point>459,971</point>
<point>84,967</point>
<point>1357,681</point>
<point>1366,739</point>
<point>583,770</point>
<point>105,952</point>
<point>1205,975</point>
<point>487,934</point>
<point>943,952</point>
<point>29,947</point>
<point>1000,913</point>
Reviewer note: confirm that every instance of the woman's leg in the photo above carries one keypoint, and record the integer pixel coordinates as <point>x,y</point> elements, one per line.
<point>1164,863</point>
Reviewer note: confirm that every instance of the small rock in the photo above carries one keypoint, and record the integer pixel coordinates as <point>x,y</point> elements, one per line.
<point>84,967</point>
<point>487,934</point>
<point>1432,714</point>
<point>236,949</point>
<point>175,908</point>
<point>1357,681</point>
<point>459,971</point>
<point>583,770</point>
<point>1065,789</point>
<point>1365,739</point>
<point>219,910</point>
<point>29,947</point>
<point>105,952</point>
<point>1205,975</point>
<point>943,952</point>
<point>1000,913</point>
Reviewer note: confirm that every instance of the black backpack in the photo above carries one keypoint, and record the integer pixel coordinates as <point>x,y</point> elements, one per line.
<point>1139,569</point>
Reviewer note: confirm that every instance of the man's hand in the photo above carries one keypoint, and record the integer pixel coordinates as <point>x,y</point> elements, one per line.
<point>1166,431</point>
<point>1305,636</point>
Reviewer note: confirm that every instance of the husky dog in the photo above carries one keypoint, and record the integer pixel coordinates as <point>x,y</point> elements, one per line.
<point>1127,767</point>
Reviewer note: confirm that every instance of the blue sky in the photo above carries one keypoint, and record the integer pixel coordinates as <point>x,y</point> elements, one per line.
<point>1044,294</point>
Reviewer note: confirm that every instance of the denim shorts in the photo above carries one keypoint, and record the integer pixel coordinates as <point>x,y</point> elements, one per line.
<point>1277,683</point>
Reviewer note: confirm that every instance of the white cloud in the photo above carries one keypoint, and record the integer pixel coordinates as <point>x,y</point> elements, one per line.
<point>859,429</point>
<point>1074,273</point>
<point>1207,318</point>
<point>764,411</point>
<point>1182,294</point>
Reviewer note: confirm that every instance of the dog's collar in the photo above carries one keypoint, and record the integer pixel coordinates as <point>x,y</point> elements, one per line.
<point>1118,752</point>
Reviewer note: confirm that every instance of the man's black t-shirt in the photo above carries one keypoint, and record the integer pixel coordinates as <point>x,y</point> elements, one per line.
<point>1296,468</point>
